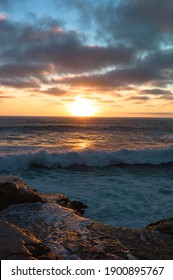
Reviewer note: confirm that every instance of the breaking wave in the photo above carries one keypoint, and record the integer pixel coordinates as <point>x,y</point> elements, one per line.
<point>45,159</point>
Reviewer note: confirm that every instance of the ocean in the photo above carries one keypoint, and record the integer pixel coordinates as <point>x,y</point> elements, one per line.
<point>122,168</point>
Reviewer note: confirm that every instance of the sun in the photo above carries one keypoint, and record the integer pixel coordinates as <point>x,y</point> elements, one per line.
<point>82,107</point>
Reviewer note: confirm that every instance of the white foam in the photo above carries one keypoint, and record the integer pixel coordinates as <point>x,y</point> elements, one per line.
<point>91,158</point>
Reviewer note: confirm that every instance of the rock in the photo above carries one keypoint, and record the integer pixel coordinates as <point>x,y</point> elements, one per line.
<point>64,201</point>
<point>67,233</point>
<point>95,245</point>
<point>14,190</point>
<point>164,226</point>
<point>77,205</point>
<point>19,244</point>
<point>141,244</point>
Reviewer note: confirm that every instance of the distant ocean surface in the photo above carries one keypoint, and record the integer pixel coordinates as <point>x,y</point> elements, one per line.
<point>122,168</point>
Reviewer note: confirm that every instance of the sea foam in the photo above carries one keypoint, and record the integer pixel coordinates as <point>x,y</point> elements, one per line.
<point>42,158</point>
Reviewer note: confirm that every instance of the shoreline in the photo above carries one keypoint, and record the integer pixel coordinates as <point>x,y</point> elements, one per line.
<point>54,228</point>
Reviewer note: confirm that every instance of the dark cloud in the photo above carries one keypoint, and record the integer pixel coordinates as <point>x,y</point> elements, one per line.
<point>22,70</point>
<point>8,35</point>
<point>142,98</point>
<point>136,99</point>
<point>20,83</point>
<point>115,78</point>
<point>43,48</point>
<point>78,58</point>
<point>143,24</point>
<point>137,37</point>
<point>66,51</point>
<point>156,91</point>
<point>107,101</point>
<point>160,59</point>
<point>54,91</point>
<point>159,93</point>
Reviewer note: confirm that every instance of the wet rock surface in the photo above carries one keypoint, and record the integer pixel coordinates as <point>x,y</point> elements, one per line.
<point>66,202</point>
<point>142,244</point>
<point>20,244</point>
<point>59,225</point>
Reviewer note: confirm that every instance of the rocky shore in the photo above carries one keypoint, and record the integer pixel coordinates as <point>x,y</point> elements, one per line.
<point>34,225</point>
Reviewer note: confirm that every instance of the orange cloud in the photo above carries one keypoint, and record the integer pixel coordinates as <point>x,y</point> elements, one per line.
<point>56,29</point>
<point>2,16</point>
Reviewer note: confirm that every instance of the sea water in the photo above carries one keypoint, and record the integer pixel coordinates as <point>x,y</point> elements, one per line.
<point>122,168</point>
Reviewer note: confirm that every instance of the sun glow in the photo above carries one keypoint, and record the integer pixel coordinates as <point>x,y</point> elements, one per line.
<point>82,107</point>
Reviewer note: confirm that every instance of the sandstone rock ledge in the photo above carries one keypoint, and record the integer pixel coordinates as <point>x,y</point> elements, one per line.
<point>39,226</point>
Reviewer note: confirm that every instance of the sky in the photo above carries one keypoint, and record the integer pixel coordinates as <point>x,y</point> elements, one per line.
<point>116,54</point>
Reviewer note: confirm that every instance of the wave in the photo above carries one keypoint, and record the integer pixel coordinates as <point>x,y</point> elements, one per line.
<point>43,158</point>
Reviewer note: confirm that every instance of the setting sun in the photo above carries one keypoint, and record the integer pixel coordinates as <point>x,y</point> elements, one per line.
<point>82,107</point>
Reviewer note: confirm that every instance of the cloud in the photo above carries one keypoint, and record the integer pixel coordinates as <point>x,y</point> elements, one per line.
<point>66,52</point>
<point>2,17</point>
<point>69,56</point>
<point>43,47</point>
<point>114,78</point>
<point>6,97</point>
<point>142,98</point>
<point>156,91</point>
<point>133,48</point>
<point>142,24</point>
<point>20,83</point>
<point>54,91</point>
<point>167,97</point>
<point>161,60</point>
<point>22,70</point>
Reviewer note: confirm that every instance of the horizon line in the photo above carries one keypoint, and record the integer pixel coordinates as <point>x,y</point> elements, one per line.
<point>155,115</point>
